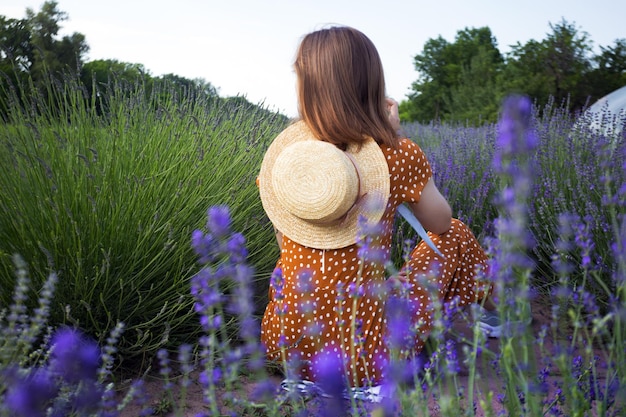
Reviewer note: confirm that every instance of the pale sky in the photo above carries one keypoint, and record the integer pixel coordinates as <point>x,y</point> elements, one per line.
<point>247,47</point>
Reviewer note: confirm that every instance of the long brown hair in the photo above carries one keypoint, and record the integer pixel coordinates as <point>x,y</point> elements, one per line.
<point>341,87</point>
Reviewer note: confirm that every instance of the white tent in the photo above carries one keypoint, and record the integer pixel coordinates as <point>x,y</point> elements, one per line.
<point>608,115</point>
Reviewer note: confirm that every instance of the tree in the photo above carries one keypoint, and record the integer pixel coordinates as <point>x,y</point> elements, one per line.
<point>567,60</point>
<point>184,85</point>
<point>100,71</point>
<point>428,91</point>
<point>553,68</point>
<point>524,72</point>
<point>444,66</point>
<point>16,50</point>
<point>53,54</point>
<point>609,72</point>
<point>31,46</point>
<point>476,98</point>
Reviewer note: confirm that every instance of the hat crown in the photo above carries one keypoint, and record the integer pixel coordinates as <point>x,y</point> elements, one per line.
<point>315,193</point>
<point>315,181</point>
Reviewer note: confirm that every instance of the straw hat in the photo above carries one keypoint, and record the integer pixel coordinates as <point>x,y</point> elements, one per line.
<point>314,193</point>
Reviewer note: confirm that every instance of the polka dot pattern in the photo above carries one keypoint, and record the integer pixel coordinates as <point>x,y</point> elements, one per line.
<point>321,295</point>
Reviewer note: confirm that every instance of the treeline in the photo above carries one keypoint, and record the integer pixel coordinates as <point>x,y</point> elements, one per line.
<point>464,81</point>
<point>32,54</point>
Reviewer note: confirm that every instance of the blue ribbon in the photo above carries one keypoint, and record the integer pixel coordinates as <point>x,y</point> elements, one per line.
<point>412,220</point>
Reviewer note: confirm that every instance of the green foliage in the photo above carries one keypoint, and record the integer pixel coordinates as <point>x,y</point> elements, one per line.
<point>108,195</point>
<point>609,72</point>
<point>464,81</point>
<point>30,50</point>
<point>445,66</point>
<point>102,71</point>
<point>35,47</point>
<point>553,67</point>
<point>475,98</point>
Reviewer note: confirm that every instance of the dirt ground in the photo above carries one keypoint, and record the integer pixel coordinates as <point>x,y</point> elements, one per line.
<point>486,380</point>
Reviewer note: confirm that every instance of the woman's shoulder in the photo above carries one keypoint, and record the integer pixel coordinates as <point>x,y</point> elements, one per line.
<point>403,146</point>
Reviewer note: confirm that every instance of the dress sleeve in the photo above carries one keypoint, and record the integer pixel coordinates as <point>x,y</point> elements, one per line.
<point>413,170</point>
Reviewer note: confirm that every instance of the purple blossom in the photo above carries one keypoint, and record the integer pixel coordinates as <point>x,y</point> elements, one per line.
<point>74,357</point>
<point>369,249</point>
<point>210,377</point>
<point>31,394</point>
<point>211,322</point>
<point>355,291</point>
<point>399,335</point>
<point>304,281</point>
<point>514,133</point>
<point>164,368</point>
<point>401,371</point>
<point>328,367</point>
<point>203,245</point>
<point>277,283</point>
<point>249,328</point>
<point>87,397</point>
<point>236,248</point>
<point>452,362</point>
<point>264,390</point>
<point>584,241</point>
<point>219,220</point>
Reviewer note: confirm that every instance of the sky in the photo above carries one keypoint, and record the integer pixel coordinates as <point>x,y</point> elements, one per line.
<point>247,47</point>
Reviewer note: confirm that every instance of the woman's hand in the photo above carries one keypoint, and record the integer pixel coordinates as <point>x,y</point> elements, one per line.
<point>394,116</point>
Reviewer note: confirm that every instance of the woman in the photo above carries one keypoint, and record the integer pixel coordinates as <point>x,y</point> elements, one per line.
<point>325,183</point>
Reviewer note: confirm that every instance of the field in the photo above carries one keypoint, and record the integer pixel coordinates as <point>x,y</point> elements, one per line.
<point>104,229</point>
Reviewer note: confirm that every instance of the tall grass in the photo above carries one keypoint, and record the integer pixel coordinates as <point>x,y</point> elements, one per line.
<point>106,191</point>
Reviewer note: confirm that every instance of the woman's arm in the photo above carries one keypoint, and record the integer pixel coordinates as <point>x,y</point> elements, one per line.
<point>433,210</point>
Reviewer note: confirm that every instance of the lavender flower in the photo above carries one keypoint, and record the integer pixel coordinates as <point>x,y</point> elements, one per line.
<point>264,390</point>
<point>142,399</point>
<point>164,368</point>
<point>399,335</point>
<point>109,350</point>
<point>277,283</point>
<point>74,357</point>
<point>223,285</point>
<point>368,236</point>
<point>515,136</point>
<point>219,221</point>
<point>87,397</point>
<point>452,361</point>
<point>29,395</point>
<point>332,381</point>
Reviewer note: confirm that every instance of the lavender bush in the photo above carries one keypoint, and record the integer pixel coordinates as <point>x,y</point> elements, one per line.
<point>576,170</point>
<point>107,191</point>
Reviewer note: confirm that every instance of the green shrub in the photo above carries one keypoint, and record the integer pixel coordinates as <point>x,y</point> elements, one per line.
<point>108,189</point>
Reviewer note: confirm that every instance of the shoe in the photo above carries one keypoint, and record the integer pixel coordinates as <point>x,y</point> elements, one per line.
<point>490,324</point>
<point>307,390</point>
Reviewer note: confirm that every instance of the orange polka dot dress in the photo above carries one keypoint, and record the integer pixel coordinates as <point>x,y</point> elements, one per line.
<point>321,292</point>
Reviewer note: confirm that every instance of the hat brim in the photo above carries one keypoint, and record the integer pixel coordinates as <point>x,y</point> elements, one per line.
<point>375,191</point>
